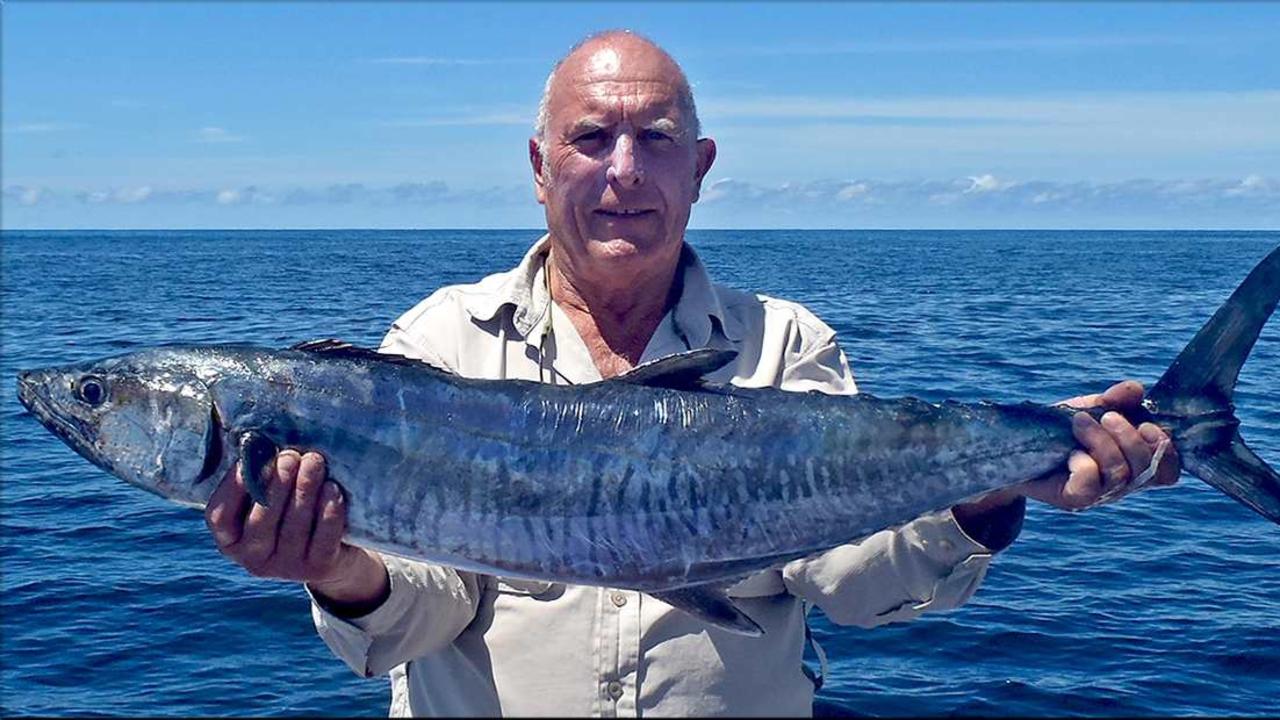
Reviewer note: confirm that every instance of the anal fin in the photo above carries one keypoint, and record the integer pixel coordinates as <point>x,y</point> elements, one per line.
<point>711,605</point>
<point>256,451</point>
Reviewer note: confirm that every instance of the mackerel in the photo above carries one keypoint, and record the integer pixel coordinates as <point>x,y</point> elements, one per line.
<point>656,481</point>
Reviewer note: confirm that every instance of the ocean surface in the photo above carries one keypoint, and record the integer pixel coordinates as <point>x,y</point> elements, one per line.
<point>114,602</point>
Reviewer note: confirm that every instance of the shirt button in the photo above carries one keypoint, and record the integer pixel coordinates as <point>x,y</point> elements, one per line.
<point>619,598</point>
<point>615,689</point>
<point>947,545</point>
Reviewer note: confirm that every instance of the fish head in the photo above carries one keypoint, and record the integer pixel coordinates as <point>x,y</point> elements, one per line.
<point>154,426</point>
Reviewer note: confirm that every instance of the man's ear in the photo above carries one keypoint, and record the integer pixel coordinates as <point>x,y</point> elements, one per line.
<point>539,180</point>
<point>705,152</point>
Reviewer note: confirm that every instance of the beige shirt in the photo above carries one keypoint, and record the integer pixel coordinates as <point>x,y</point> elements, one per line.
<point>457,643</point>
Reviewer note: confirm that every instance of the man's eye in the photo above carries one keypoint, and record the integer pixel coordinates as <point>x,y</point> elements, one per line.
<point>656,135</point>
<point>591,136</point>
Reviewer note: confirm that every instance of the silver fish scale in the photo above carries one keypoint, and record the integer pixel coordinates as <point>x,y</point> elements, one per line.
<point>620,484</point>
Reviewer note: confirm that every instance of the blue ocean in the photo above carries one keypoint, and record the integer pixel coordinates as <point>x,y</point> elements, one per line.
<point>113,602</point>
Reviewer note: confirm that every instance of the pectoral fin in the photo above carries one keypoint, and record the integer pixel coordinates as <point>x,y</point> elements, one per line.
<point>256,452</point>
<point>710,605</point>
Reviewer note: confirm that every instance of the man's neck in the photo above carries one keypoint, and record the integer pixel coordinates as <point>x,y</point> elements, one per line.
<point>615,319</point>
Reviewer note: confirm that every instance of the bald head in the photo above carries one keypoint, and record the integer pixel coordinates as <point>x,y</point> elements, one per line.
<point>618,164</point>
<point>616,54</point>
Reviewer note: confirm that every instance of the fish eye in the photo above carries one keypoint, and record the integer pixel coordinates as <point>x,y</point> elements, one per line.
<point>91,390</point>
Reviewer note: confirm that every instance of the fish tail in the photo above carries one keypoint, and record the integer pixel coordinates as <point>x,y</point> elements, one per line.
<point>1194,397</point>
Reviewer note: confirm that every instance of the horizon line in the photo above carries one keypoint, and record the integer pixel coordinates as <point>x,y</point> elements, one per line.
<point>699,229</point>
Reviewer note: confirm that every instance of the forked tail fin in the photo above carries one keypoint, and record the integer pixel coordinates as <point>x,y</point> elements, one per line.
<point>1194,398</point>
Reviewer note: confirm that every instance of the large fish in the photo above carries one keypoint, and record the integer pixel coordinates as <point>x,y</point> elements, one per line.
<point>654,481</point>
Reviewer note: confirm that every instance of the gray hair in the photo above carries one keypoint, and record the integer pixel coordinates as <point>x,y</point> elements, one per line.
<point>685,99</point>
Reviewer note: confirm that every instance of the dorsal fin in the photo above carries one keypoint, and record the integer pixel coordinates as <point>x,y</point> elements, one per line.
<point>682,371</point>
<point>332,347</point>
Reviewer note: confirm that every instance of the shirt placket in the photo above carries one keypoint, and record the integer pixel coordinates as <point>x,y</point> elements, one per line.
<point>618,656</point>
<point>608,682</point>
<point>627,604</point>
<point>618,619</point>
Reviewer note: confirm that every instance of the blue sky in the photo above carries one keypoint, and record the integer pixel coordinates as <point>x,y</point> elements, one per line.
<point>255,114</point>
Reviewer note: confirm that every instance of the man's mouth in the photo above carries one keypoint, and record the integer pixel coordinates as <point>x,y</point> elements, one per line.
<point>624,212</point>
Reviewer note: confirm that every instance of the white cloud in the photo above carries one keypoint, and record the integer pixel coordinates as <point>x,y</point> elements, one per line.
<point>130,196</point>
<point>247,195</point>
<point>987,192</point>
<point>986,183</point>
<point>26,195</point>
<point>117,196</point>
<point>854,191</point>
<point>1105,136</point>
<point>980,198</point>
<point>1250,201</point>
<point>211,134</point>
<point>1253,185</point>
<point>403,194</point>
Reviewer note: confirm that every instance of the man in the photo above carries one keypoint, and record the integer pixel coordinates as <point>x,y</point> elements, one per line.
<point>618,163</point>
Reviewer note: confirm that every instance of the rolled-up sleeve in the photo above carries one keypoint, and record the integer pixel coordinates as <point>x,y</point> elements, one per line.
<point>894,575</point>
<point>428,606</point>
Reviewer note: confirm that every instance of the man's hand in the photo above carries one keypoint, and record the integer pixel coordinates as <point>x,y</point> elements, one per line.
<point>1115,453</point>
<point>298,536</point>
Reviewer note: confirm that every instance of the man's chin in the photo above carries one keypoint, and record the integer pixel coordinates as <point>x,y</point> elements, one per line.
<point>620,247</point>
<point>627,246</point>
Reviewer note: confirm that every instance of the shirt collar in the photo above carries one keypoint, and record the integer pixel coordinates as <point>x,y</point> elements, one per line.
<point>699,306</point>
<point>525,290</point>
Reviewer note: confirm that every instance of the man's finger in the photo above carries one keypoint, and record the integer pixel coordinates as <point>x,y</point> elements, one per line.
<point>1083,402</point>
<point>1047,488</point>
<point>331,523</point>
<point>1124,395</point>
<point>1103,449</point>
<point>260,528</point>
<point>1084,482</point>
<point>1137,453</point>
<point>300,515</point>
<point>225,511</point>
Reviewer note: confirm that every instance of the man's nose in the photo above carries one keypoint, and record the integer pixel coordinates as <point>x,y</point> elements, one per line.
<point>624,167</point>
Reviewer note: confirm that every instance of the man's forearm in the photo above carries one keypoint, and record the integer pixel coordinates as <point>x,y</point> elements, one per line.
<point>359,590</point>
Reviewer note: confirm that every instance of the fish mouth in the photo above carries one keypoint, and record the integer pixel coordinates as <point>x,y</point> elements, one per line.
<point>26,391</point>
<point>68,429</point>
<point>31,399</point>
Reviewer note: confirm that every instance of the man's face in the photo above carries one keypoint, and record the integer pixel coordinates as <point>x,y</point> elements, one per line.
<point>622,165</point>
